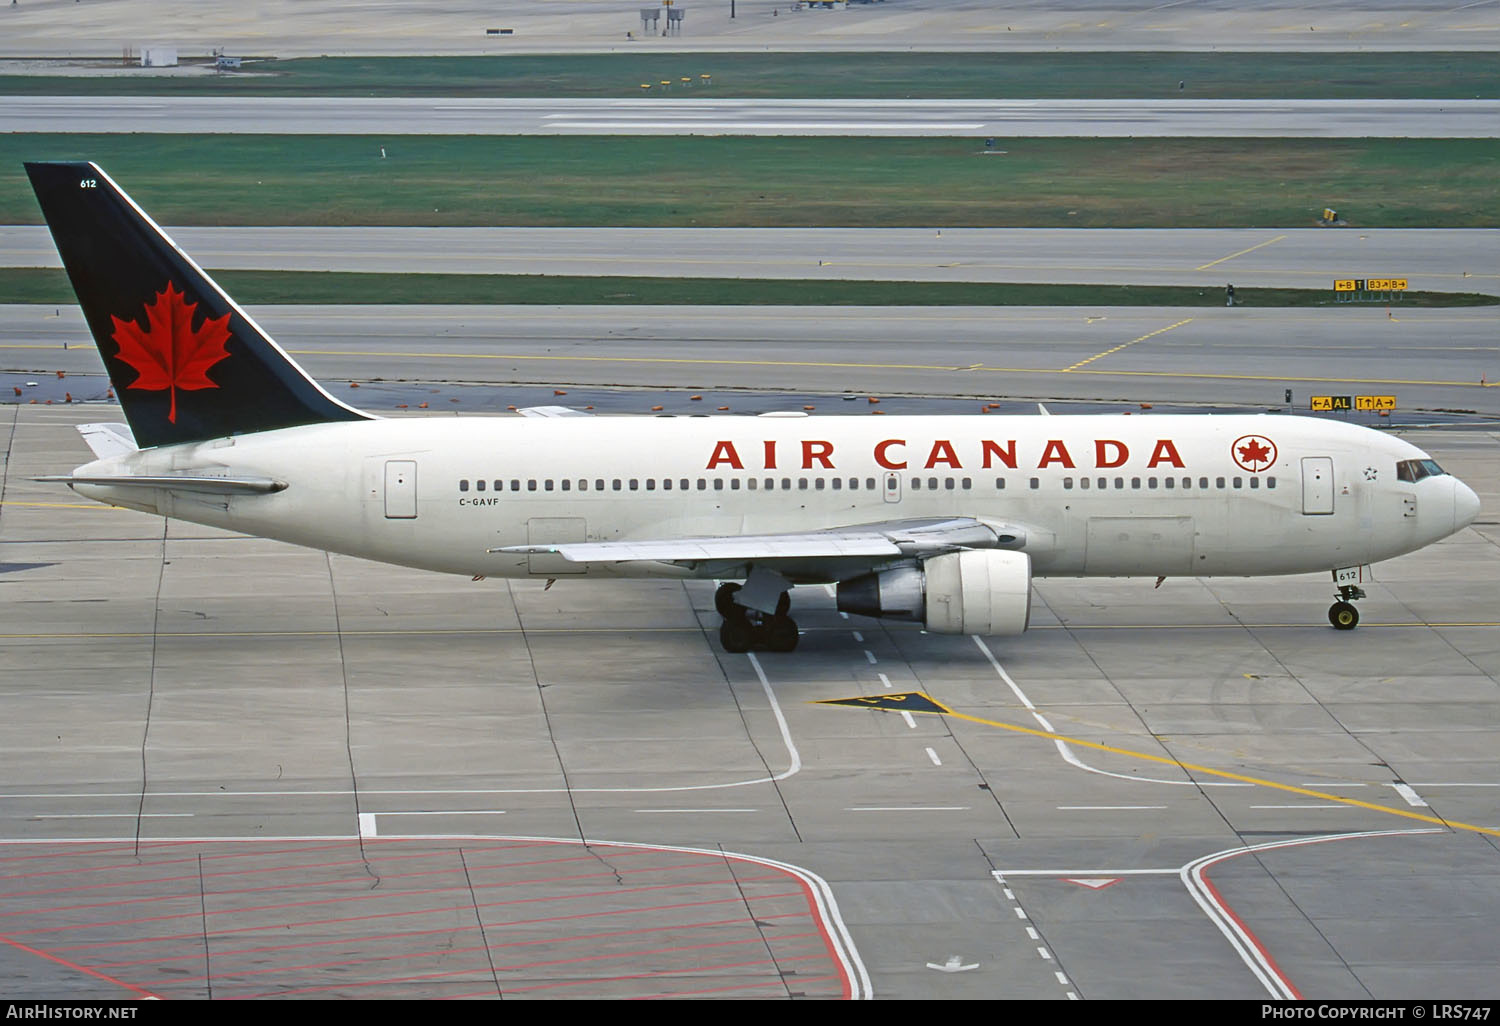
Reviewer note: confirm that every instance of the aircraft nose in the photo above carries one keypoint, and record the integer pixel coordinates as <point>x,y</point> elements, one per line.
<point>1465,505</point>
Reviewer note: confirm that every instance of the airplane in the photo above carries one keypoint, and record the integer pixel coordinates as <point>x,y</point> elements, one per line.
<point>941,521</point>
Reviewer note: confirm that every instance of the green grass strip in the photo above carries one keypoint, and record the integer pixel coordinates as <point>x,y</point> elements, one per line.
<point>1374,75</point>
<point>46,285</point>
<point>678,181</point>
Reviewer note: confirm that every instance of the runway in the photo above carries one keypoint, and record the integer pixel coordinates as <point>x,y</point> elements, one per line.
<point>248,773</point>
<point>1448,260</point>
<point>385,116</point>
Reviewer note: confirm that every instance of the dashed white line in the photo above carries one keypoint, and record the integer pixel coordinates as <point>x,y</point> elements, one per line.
<point>1106,808</point>
<point>909,721</point>
<point>859,636</point>
<point>885,682</point>
<point>870,656</point>
<point>1412,798</point>
<point>934,757</point>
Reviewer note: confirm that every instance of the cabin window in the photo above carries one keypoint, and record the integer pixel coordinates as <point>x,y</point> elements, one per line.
<point>463,484</point>
<point>1255,482</point>
<point>734,484</point>
<point>967,483</point>
<point>770,484</point>
<point>948,483</point>
<point>818,483</point>
<point>1135,482</point>
<point>666,484</point>
<point>515,484</point>
<point>916,484</point>
<point>650,484</point>
<point>869,484</point>
<point>1203,482</point>
<point>838,483</point>
<point>1239,482</point>
<point>1218,482</point>
<point>702,484</point>
<point>1083,482</point>
<point>1270,482</point>
<point>1150,482</point>
<point>567,485</point>
<point>547,484</point>
<point>786,484</point>
<point>1119,482</point>
<point>1036,482</point>
<point>718,484</point>
<point>479,485</point>
<point>617,484</point>
<point>1103,482</point>
<point>1068,483</point>
<point>531,484</point>
<point>583,484</point>
<point>1170,482</point>
<point>598,484</point>
<point>1000,484</point>
<point>751,483</point>
<point>932,484</point>
<point>682,484</point>
<point>802,484</point>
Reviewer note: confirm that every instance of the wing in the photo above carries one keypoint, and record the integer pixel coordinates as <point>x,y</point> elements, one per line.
<point>803,556</point>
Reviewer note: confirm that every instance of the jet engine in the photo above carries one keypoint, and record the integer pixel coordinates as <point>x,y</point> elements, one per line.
<point>983,591</point>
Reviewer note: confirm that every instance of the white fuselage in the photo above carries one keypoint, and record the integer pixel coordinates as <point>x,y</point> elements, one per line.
<point>1095,495</point>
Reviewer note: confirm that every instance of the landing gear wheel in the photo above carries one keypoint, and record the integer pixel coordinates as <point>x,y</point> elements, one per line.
<point>1343,615</point>
<point>736,634</point>
<point>780,633</point>
<point>724,601</point>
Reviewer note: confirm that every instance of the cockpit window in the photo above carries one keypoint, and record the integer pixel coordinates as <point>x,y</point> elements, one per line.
<point>1415,470</point>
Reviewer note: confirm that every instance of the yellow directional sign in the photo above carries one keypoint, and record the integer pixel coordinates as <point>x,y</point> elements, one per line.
<point>1325,403</point>
<point>1387,285</point>
<point>910,701</point>
<point>1347,285</point>
<point>1374,402</point>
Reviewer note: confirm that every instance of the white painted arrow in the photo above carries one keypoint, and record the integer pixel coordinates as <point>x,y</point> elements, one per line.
<point>953,965</point>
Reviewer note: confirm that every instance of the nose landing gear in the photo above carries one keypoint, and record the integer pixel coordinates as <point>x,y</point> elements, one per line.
<point>1342,614</point>
<point>744,628</point>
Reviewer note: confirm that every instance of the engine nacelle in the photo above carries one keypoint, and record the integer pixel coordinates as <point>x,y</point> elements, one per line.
<point>983,591</point>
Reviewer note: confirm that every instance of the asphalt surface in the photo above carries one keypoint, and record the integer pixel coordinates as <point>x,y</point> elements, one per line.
<point>1449,260</point>
<point>195,115</point>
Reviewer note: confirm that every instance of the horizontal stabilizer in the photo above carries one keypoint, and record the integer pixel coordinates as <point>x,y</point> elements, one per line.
<point>215,484</point>
<point>108,440</point>
<point>552,411</point>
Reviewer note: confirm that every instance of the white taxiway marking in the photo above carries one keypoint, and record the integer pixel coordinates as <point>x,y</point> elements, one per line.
<point>696,811</point>
<point>909,808</point>
<point>1106,808</point>
<point>934,757</point>
<point>909,721</point>
<point>858,636</point>
<point>1067,752</point>
<point>444,812</point>
<point>116,815</point>
<point>870,656</point>
<point>1412,798</point>
<point>885,682</point>
<point>367,825</point>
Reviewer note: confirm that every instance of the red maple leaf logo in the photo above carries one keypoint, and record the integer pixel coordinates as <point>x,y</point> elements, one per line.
<point>1254,452</point>
<point>169,353</point>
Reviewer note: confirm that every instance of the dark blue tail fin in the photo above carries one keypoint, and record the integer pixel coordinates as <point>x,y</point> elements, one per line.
<point>187,363</point>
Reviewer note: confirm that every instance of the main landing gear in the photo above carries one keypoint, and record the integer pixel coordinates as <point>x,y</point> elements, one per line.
<point>1342,613</point>
<point>744,628</point>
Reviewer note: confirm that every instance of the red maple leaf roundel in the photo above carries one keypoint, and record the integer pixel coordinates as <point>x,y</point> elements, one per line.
<point>1254,452</point>
<point>169,353</point>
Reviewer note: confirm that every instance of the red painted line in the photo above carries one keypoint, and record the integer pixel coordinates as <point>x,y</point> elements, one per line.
<point>75,966</point>
<point>395,915</point>
<point>195,897</point>
<point>507,990</point>
<point>219,956</point>
<point>651,976</point>
<point>294,867</point>
<point>743,986</point>
<point>1250,934</point>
